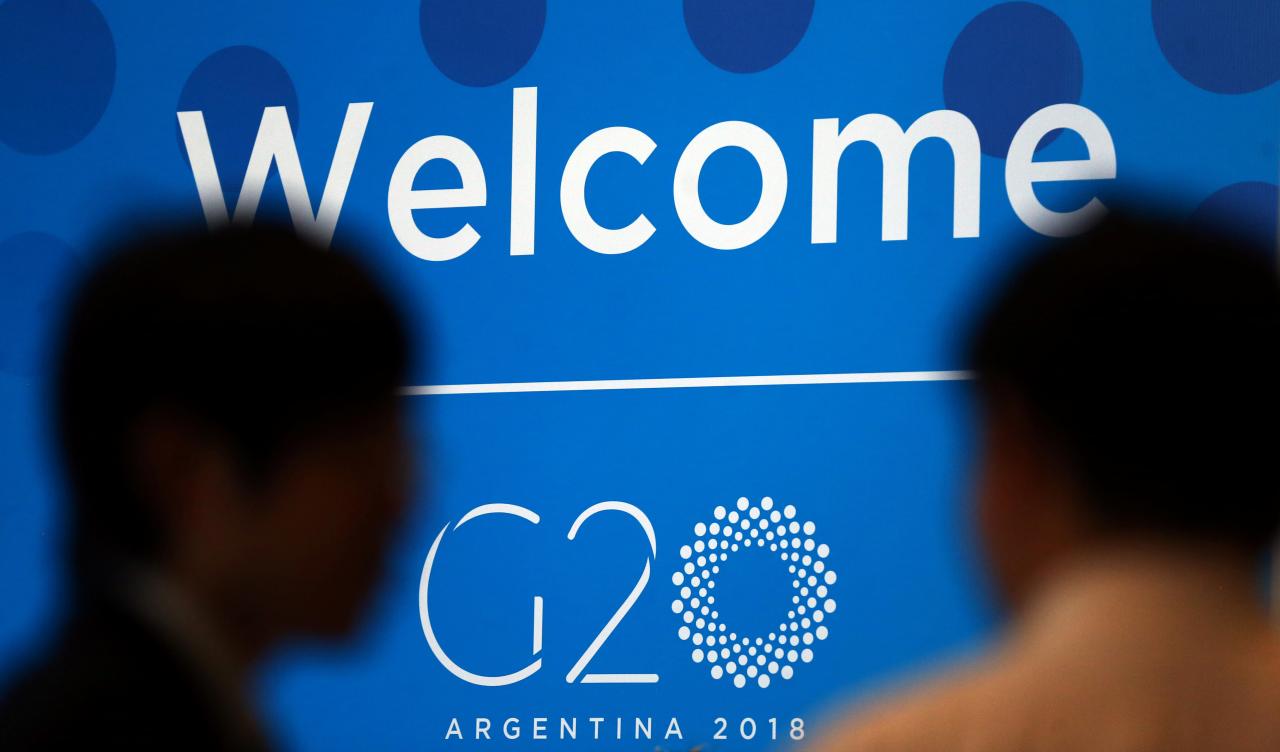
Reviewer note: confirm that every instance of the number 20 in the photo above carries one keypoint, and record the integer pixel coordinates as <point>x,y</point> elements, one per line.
<point>575,673</point>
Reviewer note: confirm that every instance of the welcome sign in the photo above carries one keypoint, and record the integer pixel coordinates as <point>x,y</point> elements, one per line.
<point>688,279</point>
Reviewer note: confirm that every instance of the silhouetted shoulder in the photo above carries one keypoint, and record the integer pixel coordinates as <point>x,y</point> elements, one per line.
<point>933,717</point>
<point>106,681</point>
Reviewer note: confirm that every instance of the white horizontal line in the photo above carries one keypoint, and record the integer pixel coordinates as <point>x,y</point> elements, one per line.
<point>802,379</point>
<point>619,678</point>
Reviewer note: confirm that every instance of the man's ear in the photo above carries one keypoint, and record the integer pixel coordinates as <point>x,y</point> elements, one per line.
<point>1011,456</point>
<point>1031,513</point>
<point>185,475</point>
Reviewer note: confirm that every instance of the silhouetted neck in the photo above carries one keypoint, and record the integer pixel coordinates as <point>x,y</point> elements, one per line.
<point>1135,591</point>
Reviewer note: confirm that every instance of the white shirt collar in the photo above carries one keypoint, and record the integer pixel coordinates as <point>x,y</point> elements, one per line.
<point>179,620</point>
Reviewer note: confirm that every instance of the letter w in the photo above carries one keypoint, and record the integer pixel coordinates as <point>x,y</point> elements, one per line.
<point>274,143</point>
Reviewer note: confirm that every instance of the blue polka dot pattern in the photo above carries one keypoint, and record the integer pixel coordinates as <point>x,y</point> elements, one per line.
<point>1223,46</point>
<point>231,87</point>
<point>1251,209</point>
<point>34,267</point>
<point>746,36</point>
<point>57,71</point>
<point>481,42</point>
<point>1009,62</point>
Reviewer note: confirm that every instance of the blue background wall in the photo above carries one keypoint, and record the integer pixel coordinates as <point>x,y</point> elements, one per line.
<point>88,135</point>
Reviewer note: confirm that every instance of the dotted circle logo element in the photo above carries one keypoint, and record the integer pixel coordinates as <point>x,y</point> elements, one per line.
<point>754,658</point>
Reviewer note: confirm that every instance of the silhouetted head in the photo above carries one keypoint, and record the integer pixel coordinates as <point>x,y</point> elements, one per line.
<point>1129,383</point>
<point>227,413</point>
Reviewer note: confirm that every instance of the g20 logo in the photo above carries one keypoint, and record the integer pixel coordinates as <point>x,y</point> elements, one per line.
<point>754,658</point>
<point>745,658</point>
<point>576,674</point>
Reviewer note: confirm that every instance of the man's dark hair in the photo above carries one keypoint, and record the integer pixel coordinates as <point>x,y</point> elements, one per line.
<point>255,334</point>
<point>1148,352</point>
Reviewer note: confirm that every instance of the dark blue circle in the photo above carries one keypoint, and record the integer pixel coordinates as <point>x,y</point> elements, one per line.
<point>232,87</point>
<point>1011,61</point>
<point>57,70</point>
<point>34,270</point>
<point>1250,209</point>
<point>1223,46</point>
<point>746,36</point>
<point>481,42</point>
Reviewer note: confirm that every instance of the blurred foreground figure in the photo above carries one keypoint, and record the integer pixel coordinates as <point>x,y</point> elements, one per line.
<point>1129,393</point>
<point>227,417</point>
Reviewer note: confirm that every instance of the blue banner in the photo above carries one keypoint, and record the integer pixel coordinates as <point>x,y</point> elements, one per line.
<point>688,278</point>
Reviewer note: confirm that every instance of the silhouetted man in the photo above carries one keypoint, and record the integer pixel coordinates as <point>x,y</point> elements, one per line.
<point>227,416</point>
<point>1129,385</point>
